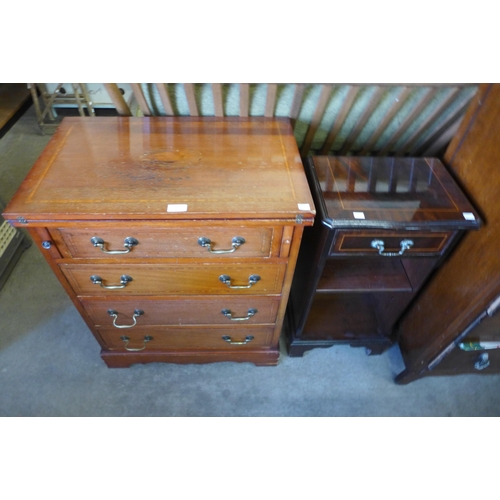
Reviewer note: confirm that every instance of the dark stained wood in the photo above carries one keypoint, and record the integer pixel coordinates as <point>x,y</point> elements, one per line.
<point>469,281</point>
<point>343,290</point>
<point>162,162</point>
<point>12,98</point>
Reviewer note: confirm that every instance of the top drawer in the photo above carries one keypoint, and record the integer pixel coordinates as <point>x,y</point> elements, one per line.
<point>206,242</point>
<point>380,242</point>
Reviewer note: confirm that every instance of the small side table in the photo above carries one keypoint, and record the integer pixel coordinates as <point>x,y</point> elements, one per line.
<point>383,226</point>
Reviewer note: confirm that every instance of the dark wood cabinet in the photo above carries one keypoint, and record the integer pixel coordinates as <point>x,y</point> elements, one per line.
<point>383,226</point>
<point>176,238</point>
<point>454,327</point>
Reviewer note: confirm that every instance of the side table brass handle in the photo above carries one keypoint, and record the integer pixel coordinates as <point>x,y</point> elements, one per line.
<point>126,339</point>
<point>227,338</point>
<point>236,242</point>
<point>482,362</point>
<point>124,280</point>
<point>114,315</point>
<point>128,243</point>
<point>251,281</point>
<point>228,314</point>
<point>380,246</point>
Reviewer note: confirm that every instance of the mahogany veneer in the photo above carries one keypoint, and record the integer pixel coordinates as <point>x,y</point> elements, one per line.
<point>203,218</point>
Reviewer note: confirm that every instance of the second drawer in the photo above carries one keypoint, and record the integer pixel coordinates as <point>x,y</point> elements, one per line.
<point>138,311</point>
<point>163,279</point>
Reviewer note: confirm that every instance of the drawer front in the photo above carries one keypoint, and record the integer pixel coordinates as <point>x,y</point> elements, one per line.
<point>158,279</point>
<point>233,242</point>
<point>382,242</point>
<point>188,338</point>
<point>186,311</point>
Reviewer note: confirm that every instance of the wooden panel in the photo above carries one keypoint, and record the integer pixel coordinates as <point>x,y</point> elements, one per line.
<point>188,279</point>
<point>138,167</point>
<point>203,310</point>
<point>368,274</point>
<point>166,243</point>
<point>12,97</point>
<point>188,338</point>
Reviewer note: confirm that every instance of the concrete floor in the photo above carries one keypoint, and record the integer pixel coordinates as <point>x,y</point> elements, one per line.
<point>50,363</point>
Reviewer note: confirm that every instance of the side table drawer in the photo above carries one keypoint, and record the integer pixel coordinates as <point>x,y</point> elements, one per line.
<point>185,311</point>
<point>188,338</point>
<point>381,242</point>
<point>163,279</point>
<point>232,242</point>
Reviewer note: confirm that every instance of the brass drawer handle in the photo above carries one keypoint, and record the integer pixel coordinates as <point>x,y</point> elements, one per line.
<point>227,338</point>
<point>126,339</point>
<point>114,315</point>
<point>380,246</point>
<point>228,314</point>
<point>124,280</point>
<point>236,242</point>
<point>482,362</point>
<point>128,243</point>
<point>251,281</point>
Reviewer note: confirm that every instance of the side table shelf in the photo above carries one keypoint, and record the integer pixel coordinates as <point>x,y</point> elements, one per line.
<point>383,226</point>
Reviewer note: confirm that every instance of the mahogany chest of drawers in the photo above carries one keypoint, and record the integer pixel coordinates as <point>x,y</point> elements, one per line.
<point>383,226</point>
<point>176,238</point>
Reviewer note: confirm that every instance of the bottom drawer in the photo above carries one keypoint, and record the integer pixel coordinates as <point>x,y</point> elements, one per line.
<point>187,338</point>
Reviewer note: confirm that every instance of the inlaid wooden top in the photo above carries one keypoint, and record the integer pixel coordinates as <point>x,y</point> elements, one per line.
<point>389,192</point>
<point>166,168</point>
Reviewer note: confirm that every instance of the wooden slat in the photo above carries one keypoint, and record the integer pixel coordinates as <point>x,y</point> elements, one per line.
<point>326,91</point>
<point>365,116</point>
<point>413,139</point>
<point>165,98</point>
<point>244,99</point>
<point>399,101</point>
<point>117,98</point>
<point>410,118</point>
<point>217,93</point>
<point>445,133</point>
<point>298,95</point>
<point>191,99</point>
<point>270,99</point>
<point>139,95</point>
<point>339,120</point>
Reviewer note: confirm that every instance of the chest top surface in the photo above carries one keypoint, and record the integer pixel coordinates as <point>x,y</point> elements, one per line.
<point>389,192</point>
<point>166,168</point>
